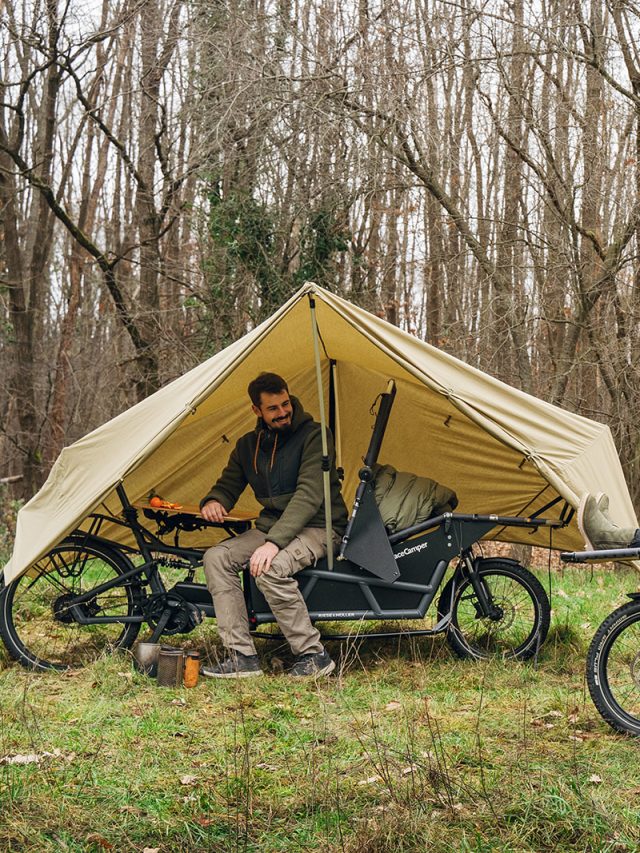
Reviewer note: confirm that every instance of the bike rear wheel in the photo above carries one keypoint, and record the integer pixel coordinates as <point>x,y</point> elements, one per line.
<point>36,622</point>
<point>521,622</point>
<point>613,669</point>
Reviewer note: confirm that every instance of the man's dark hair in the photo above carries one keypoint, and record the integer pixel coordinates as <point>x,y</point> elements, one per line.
<point>270,383</point>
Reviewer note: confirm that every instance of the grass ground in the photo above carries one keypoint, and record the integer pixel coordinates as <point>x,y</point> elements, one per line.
<point>406,749</point>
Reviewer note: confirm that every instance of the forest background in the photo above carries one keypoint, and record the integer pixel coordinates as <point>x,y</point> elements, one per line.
<point>171,171</point>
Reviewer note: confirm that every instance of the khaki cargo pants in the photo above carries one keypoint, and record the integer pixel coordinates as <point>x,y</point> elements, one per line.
<point>222,565</point>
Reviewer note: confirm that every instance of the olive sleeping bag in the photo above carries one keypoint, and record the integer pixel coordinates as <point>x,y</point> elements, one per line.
<point>405,499</point>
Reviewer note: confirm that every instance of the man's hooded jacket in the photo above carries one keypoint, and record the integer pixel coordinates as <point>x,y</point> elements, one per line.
<point>284,469</point>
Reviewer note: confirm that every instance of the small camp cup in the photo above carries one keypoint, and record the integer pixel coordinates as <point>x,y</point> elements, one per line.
<point>146,658</point>
<point>170,667</point>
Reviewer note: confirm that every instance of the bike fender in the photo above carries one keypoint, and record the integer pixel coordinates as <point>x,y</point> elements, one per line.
<point>89,538</point>
<point>507,561</point>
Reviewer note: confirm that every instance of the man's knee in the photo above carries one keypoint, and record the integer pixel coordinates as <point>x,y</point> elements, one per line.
<point>304,550</point>
<point>227,558</point>
<point>217,558</point>
<point>234,552</point>
<point>284,564</point>
<point>276,588</point>
<point>218,565</point>
<point>220,561</point>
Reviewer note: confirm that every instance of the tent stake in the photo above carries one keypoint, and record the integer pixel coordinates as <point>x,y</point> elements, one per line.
<point>326,464</point>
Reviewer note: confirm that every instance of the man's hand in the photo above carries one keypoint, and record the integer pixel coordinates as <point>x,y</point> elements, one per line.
<point>261,558</point>
<point>213,511</point>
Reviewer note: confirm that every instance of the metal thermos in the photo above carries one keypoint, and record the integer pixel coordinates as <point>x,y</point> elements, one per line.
<point>191,668</point>
<point>170,667</point>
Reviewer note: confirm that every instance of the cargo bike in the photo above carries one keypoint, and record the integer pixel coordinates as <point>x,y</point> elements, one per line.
<point>90,594</point>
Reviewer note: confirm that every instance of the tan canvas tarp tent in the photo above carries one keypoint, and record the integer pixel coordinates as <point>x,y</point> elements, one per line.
<point>503,451</point>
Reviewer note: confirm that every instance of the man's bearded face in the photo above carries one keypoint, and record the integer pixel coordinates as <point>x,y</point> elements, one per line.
<point>275,410</point>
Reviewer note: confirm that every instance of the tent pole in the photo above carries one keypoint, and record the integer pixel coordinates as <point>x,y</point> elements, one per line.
<point>337,437</point>
<point>326,464</point>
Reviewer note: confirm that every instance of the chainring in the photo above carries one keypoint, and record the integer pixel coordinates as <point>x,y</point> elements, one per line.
<point>184,617</point>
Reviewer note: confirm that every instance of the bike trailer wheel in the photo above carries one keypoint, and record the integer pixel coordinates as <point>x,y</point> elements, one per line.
<point>613,669</point>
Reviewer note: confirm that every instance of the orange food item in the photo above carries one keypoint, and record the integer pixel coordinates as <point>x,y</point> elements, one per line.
<point>159,503</point>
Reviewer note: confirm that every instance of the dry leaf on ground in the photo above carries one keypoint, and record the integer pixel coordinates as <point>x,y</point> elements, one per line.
<point>35,758</point>
<point>370,780</point>
<point>31,758</point>
<point>94,838</point>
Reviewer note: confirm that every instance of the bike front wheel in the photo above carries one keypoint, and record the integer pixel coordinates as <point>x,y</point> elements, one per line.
<point>613,669</point>
<point>37,624</point>
<point>519,624</point>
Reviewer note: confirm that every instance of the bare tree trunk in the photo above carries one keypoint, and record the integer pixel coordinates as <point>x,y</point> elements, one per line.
<point>506,308</point>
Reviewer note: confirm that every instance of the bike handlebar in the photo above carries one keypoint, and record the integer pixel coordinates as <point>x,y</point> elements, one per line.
<point>613,554</point>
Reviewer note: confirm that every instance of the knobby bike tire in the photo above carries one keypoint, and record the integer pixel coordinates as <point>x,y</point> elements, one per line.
<point>36,624</point>
<point>613,669</point>
<point>525,614</point>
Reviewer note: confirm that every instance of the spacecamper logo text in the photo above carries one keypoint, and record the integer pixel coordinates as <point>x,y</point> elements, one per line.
<point>416,548</point>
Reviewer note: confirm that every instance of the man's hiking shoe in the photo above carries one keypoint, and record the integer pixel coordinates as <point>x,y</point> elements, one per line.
<point>313,665</point>
<point>236,665</point>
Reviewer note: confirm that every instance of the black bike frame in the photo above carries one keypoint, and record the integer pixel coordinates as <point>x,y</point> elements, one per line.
<point>348,593</point>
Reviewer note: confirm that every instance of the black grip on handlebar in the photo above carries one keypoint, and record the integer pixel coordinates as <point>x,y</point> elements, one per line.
<point>380,426</point>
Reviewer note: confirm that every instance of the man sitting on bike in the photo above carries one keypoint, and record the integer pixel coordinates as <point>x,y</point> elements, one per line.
<point>281,460</point>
